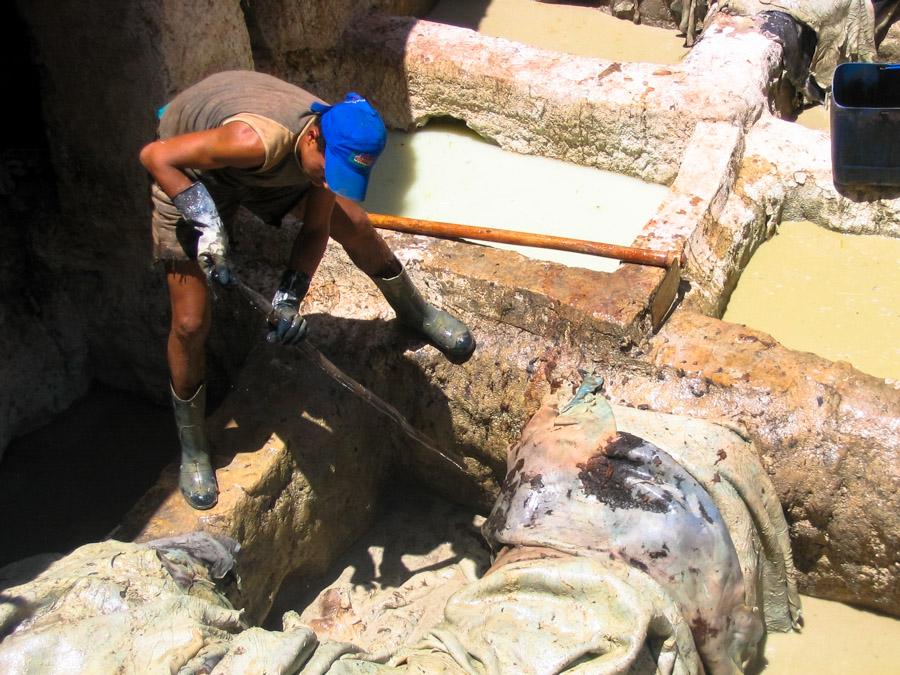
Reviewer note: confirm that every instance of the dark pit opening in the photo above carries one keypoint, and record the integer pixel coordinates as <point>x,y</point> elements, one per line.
<point>71,482</point>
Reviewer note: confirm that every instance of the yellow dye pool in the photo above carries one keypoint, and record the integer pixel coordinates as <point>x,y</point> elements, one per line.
<point>835,640</point>
<point>816,118</point>
<point>836,295</point>
<point>445,172</point>
<point>571,29</point>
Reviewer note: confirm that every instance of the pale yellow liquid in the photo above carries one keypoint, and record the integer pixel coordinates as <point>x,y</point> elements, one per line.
<point>815,118</point>
<point>582,31</point>
<point>445,172</point>
<point>835,640</point>
<point>836,295</point>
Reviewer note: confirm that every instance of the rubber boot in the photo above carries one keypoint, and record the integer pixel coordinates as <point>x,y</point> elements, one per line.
<point>197,480</point>
<point>445,332</point>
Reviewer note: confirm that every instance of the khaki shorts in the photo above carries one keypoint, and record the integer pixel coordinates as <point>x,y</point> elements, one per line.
<point>175,239</point>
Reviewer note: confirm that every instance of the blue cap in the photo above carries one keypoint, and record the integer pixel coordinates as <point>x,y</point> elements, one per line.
<point>354,137</point>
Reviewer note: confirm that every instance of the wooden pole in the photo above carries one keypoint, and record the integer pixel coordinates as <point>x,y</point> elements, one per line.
<point>431,228</point>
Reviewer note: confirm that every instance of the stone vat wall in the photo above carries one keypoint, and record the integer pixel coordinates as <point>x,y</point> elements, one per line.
<point>703,127</point>
<point>827,434</point>
<point>784,173</point>
<point>631,118</point>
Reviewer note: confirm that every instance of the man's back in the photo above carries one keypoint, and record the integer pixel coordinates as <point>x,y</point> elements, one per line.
<point>211,101</point>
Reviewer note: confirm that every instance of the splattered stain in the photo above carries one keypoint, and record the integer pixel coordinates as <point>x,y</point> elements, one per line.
<point>607,479</point>
<point>702,631</point>
<point>705,515</point>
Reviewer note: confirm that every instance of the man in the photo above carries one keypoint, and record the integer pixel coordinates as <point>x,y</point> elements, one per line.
<point>246,138</point>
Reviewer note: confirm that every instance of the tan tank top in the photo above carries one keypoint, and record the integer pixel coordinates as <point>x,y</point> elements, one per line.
<point>276,110</point>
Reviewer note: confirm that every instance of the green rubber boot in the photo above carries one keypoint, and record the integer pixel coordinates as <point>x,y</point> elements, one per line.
<point>197,480</point>
<point>445,332</point>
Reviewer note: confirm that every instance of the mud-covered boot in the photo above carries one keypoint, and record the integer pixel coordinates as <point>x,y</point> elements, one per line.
<point>445,332</point>
<point>197,480</point>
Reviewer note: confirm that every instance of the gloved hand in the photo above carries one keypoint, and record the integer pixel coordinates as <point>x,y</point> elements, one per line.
<point>288,326</point>
<point>216,268</point>
<point>198,208</point>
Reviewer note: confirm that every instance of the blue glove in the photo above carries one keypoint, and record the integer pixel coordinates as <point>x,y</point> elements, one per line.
<point>198,208</point>
<point>288,326</point>
<point>216,268</point>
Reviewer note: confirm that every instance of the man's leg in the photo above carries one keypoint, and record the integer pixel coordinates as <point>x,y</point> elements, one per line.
<point>191,318</point>
<point>351,228</point>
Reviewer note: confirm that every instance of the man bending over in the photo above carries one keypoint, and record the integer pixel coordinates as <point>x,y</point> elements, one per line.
<point>246,138</point>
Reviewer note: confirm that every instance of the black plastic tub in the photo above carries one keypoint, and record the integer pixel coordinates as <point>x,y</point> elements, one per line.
<point>865,125</point>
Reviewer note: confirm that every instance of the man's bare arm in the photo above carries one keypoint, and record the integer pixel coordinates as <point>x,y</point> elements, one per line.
<point>234,144</point>
<point>309,246</point>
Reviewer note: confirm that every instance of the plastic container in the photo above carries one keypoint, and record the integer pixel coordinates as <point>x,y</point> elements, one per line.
<point>865,125</point>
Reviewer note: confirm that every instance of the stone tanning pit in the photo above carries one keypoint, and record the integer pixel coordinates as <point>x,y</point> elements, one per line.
<point>511,114</point>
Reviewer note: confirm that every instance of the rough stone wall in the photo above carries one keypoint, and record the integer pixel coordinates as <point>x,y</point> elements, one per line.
<point>44,364</point>
<point>650,12</point>
<point>101,88</point>
<point>197,39</point>
<point>889,49</point>
<point>280,26</point>
<point>44,352</point>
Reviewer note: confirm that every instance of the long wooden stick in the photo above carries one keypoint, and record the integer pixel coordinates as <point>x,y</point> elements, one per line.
<point>431,228</point>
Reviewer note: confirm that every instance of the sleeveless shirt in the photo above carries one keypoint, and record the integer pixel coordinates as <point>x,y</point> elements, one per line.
<point>276,110</point>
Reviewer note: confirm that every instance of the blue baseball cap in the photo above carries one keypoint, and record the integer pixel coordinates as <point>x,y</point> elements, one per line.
<point>354,137</point>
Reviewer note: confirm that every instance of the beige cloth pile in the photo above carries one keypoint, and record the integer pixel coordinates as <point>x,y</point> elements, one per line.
<point>590,614</point>
<point>115,607</point>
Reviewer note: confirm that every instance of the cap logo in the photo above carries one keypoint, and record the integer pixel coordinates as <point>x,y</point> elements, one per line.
<point>363,159</point>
